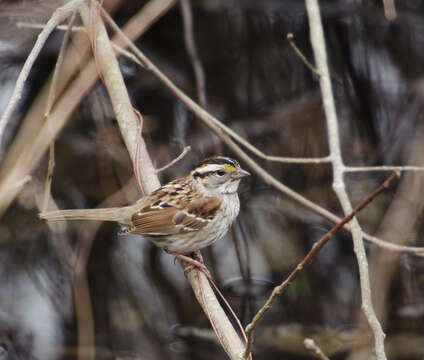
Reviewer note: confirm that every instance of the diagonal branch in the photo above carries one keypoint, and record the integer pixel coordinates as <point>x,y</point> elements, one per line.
<point>278,290</point>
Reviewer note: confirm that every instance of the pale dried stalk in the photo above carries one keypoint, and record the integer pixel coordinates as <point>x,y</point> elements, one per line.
<point>318,46</point>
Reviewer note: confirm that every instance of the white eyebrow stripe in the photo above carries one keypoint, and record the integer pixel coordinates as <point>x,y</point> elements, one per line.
<point>209,168</point>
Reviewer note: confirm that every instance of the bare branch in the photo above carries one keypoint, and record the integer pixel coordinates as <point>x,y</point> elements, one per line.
<point>389,9</point>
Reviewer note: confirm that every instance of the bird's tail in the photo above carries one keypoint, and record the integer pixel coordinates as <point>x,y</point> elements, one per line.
<point>109,214</point>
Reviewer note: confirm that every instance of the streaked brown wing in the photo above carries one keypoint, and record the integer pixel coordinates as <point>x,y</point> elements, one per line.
<point>172,220</point>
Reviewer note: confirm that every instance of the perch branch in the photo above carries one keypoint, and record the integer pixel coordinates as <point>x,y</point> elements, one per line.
<point>126,118</point>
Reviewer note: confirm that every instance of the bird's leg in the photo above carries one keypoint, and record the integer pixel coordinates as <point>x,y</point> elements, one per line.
<point>192,262</point>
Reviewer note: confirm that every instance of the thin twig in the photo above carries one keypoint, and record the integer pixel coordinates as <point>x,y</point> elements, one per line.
<point>58,16</point>
<point>315,349</point>
<point>382,168</point>
<point>27,25</point>
<point>213,124</point>
<point>50,100</point>
<point>190,45</point>
<point>318,46</point>
<point>178,158</point>
<point>278,290</point>
<point>302,57</point>
<point>127,54</point>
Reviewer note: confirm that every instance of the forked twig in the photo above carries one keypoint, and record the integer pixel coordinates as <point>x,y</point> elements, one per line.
<point>315,349</point>
<point>118,48</point>
<point>302,57</point>
<point>278,290</point>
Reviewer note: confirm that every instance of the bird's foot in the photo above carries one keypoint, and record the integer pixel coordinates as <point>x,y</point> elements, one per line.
<point>192,261</point>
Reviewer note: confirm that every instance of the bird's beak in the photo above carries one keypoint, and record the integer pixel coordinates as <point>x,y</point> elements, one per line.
<point>240,173</point>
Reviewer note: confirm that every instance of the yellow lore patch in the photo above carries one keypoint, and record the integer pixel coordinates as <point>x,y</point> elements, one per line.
<point>229,167</point>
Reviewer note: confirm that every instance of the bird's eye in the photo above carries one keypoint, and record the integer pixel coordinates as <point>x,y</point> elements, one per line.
<point>220,172</point>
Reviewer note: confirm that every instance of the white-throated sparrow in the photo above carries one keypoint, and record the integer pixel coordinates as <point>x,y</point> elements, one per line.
<point>182,216</point>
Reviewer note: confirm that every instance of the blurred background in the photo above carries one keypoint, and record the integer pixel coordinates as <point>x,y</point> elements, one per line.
<point>126,298</point>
